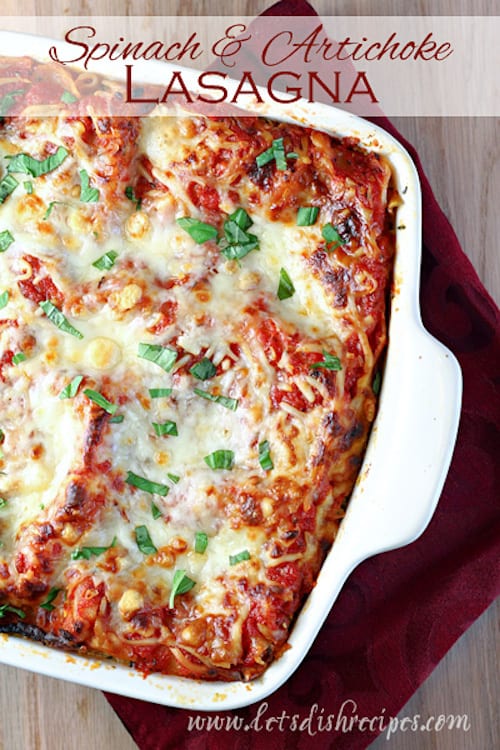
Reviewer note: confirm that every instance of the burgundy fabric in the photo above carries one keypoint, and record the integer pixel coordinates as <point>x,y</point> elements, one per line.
<point>401,611</point>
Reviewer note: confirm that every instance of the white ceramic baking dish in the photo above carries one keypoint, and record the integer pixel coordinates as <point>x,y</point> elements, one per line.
<point>406,461</point>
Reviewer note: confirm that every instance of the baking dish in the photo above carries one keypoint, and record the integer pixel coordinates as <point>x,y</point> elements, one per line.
<point>394,497</point>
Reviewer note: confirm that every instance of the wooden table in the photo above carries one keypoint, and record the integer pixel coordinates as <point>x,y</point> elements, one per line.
<point>462,159</point>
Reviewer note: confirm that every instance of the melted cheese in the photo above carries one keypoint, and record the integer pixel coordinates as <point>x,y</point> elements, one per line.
<point>218,305</point>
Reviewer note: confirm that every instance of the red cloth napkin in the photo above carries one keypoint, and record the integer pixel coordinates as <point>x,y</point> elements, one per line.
<point>401,611</point>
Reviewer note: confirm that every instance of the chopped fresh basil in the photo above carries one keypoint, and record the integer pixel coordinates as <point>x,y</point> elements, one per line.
<point>70,390</point>
<point>229,403</point>
<point>101,401</point>
<point>3,502</point>
<point>235,559</point>
<point>26,164</point>
<point>160,392</point>
<point>144,541</point>
<point>167,428</point>
<point>87,194</point>
<point>265,456</point>
<point>117,419</point>
<point>203,370</point>
<point>4,299</point>
<point>330,362</point>
<point>377,381</point>
<point>129,192</point>
<point>28,186</point>
<point>307,215</point>
<point>285,287</point>
<point>155,511</point>
<point>174,478</point>
<point>198,230</point>
<point>8,100</point>
<point>332,237</point>
<point>237,242</point>
<point>7,186</point>
<point>50,207</point>
<point>18,358</point>
<point>106,261</point>
<point>7,608</point>
<point>58,319</point>
<point>181,584</point>
<point>200,542</point>
<point>145,484</point>
<point>6,240</point>
<point>47,604</point>
<point>220,459</point>
<point>68,98</point>
<point>277,152</point>
<point>85,553</point>
<point>241,218</point>
<point>160,355</point>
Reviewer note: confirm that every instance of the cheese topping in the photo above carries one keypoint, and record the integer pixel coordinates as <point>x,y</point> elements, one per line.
<point>135,406</point>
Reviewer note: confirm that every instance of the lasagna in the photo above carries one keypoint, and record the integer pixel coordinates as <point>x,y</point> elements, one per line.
<point>193,316</point>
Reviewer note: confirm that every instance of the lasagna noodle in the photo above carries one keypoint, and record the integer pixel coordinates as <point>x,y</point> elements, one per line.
<point>175,464</point>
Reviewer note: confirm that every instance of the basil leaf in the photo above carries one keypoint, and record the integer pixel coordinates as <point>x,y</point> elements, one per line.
<point>106,261</point>
<point>241,218</point>
<point>70,390</point>
<point>68,98</point>
<point>265,157</point>
<point>47,604</point>
<point>180,585</point>
<point>235,559</point>
<point>332,237</point>
<point>4,299</point>
<point>377,381</point>
<point>330,362</point>
<point>129,192</point>
<point>277,152</point>
<point>7,186</point>
<point>7,608</point>
<point>203,370</point>
<point>26,164</point>
<point>155,511</point>
<point>101,401</point>
<point>117,419</point>
<point>160,355</point>
<point>198,230</point>
<point>6,240</point>
<point>285,287</point>
<point>236,252</point>
<point>51,206</point>
<point>8,101</point>
<point>145,484</point>
<point>167,428</point>
<point>28,186</point>
<point>237,242</point>
<point>58,319</point>
<point>265,456</point>
<point>160,392</point>
<point>200,542</point>
<point>85,553</point>
<point>3,503</point>
<point>174,478</point>
<point>87,194</point>
<point>307,215</point>
<point>220,459</point>
<point>144,541</point>
<point>229,403</point>
<point>19,357</point>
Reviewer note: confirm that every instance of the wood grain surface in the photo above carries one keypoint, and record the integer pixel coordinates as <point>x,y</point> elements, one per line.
<point>461,157</point>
